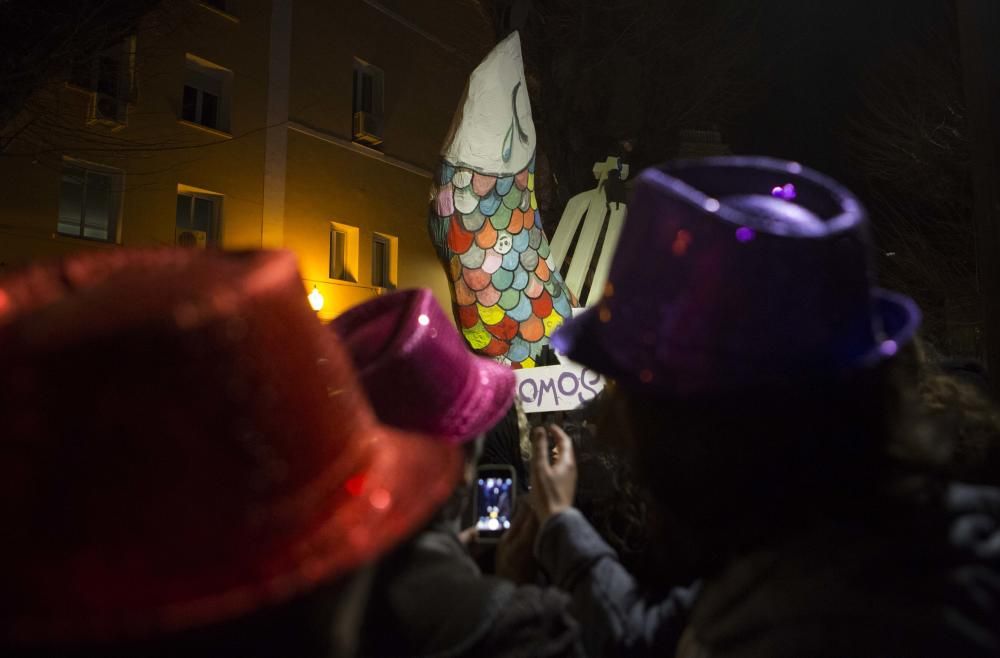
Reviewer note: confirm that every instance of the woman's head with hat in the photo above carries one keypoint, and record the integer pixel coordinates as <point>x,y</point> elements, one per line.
<point>735,272</point>
<point>421,376</point>
<point>186,445</point>
<point>418,371</point>
<point>748,345</point>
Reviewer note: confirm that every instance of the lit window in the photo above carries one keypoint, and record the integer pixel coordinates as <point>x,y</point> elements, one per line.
<point>197,222</point>
<point>383,256</point>
<point>338,254</point>
<point>206,94</point>
<point>343,252</point>
<point>89,202</point>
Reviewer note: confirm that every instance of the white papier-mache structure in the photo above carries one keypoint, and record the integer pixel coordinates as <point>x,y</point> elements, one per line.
<point>484,220</point>
<point>591,208</point>
<point>492,131</point>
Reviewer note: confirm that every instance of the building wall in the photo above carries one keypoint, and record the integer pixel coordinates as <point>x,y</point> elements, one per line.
<point>426,50</point>
<point>330,183</point>
<point>384,190</point>
<point>173,152</point>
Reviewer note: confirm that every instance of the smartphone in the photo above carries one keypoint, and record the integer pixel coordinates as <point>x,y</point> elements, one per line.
<point>495,490</point>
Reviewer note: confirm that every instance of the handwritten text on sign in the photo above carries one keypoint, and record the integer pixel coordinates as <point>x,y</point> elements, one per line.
<point>557,388</point>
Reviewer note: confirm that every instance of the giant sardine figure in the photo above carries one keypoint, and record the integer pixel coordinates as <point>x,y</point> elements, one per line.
<point>507,296</point>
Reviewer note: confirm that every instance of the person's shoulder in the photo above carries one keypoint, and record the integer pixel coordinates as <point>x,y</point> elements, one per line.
<point>534,621</point>
<point>900,587</point>
<point>961,498</point>
<point>973,528</point>
<point>972,600</point>
<point>438,600</point>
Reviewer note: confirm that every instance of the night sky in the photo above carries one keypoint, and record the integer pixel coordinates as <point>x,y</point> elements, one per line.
<point>818,52</point>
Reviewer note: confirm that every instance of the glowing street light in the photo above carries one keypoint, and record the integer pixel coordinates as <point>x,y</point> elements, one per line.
<point>316,299</point>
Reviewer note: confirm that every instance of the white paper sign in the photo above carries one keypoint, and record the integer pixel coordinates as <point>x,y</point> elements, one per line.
<point>557,388</point>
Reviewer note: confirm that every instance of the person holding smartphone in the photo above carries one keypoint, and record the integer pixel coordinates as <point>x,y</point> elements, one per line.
<point>429,597</point>
<point>615,617</point>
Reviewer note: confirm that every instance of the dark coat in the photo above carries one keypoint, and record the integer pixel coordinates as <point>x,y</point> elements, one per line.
<point>615,619</point>
<point>430,599</point>
<point>922,586</point>
<point>908,587</point>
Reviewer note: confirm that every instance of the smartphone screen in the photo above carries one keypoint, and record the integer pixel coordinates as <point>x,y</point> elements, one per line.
<point>494,500</point>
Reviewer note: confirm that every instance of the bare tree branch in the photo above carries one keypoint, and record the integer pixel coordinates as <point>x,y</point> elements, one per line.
<point>637,70</point>
<point>911,145</point>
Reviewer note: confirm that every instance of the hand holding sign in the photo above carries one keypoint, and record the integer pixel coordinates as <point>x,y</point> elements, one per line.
<point>553,485</point>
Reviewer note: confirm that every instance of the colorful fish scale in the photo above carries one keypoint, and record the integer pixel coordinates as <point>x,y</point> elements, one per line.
<point>508,299</point>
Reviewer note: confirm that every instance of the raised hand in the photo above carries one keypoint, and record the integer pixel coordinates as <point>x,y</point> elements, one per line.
<point>553,485</point>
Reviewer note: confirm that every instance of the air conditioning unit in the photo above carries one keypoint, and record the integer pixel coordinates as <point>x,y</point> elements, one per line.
<point>367,128</point>
<point>188,237</point>
<point>108,110</point>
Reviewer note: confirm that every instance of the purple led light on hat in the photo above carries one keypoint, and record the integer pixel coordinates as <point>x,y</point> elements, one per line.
<point>744,234</point>
<point>888,347</point>
<point>786,191</point>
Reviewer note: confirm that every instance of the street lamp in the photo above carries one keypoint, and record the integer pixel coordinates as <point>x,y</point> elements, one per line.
<point>316,299</point>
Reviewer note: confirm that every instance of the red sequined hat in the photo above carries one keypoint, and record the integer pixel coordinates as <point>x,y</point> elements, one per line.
<point>184,442</point>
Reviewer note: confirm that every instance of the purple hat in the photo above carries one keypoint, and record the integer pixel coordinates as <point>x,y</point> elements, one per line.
<point>418,371</point>
<point>737,272</point>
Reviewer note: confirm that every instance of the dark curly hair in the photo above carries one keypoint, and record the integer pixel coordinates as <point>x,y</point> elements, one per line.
<point>959,431</point>
<point>731,472</point>
<point>611,497</point>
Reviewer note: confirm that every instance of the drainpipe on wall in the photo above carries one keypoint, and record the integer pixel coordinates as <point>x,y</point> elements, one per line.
<point>272,230</point>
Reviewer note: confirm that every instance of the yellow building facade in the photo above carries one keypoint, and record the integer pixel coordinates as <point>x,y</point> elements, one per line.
<point>311,125</point>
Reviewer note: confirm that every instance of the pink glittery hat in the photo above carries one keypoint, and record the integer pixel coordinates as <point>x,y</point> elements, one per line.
<point>417,370</point>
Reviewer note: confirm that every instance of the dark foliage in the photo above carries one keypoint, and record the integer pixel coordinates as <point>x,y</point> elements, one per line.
<point>635,72</point>
<point>911,146</point>
<point>41,41</point>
